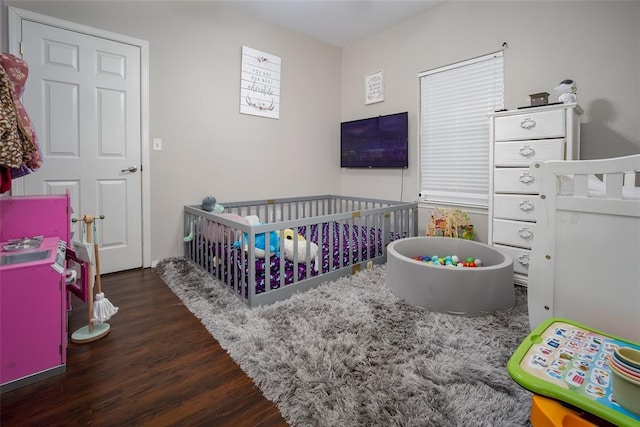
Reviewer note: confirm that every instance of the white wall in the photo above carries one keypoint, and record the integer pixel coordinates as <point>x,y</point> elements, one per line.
<point>209,148</point>
<point>596,43</point>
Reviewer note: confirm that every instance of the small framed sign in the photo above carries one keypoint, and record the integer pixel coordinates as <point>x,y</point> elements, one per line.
<point>374,87</point>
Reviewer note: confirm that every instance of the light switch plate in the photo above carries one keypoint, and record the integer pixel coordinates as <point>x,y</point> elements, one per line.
<point>157,144</point>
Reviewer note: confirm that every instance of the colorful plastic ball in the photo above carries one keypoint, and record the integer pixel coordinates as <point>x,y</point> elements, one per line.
<point>470,259</point>
<point>455,259</point>
<point>478,262</point>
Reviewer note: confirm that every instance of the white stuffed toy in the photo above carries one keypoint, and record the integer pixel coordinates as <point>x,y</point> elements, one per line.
<point>288,238</point>
<point>567,90</point>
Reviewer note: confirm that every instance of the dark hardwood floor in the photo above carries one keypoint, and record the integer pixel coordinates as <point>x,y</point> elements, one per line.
<point>157,366</point>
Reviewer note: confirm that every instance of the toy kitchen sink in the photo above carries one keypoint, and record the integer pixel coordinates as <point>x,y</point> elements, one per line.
<point>25,257</point>
<point>24,250</point>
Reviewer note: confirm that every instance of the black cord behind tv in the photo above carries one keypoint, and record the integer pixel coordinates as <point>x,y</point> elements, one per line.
<point>375,142</point>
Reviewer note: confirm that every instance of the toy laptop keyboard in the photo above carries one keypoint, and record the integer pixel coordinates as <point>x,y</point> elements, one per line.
<point>567,361</point>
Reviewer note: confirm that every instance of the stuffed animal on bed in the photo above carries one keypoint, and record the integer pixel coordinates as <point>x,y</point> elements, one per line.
<point>220,233</point>
<point>210,204</point>
<point>259,249</point>
<point>288,239</point>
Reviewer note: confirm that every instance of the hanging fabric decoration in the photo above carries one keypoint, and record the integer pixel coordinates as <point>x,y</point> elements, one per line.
<point>19,150</point>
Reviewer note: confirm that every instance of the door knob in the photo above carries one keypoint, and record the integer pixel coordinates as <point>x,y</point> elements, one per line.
<point>130,169</point>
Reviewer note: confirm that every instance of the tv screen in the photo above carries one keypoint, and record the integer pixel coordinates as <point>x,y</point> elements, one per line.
<point>376,142</point>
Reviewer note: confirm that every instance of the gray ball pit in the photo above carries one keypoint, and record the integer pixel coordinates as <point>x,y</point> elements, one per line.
<point>469,291</point>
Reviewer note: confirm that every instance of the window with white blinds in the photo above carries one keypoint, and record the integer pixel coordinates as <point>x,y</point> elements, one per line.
<point>455,102</point>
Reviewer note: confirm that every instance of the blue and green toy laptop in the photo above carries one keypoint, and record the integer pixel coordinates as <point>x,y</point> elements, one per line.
<point>568,361</point>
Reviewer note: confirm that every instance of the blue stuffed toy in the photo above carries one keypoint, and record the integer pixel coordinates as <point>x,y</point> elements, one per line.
<point>274,240</point>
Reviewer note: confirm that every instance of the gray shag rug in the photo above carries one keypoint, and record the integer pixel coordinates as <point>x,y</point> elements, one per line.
<point>349,353</point>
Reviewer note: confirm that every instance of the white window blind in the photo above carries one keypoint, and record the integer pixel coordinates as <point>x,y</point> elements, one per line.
<point>455,102</point>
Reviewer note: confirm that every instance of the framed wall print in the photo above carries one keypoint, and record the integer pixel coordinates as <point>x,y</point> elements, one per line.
<point>374,87</point>
<point>260,83</point>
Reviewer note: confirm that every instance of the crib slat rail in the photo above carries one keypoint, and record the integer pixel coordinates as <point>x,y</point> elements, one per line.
<point>584,267</point>
<point>351,233</point>
<point>592,185</point>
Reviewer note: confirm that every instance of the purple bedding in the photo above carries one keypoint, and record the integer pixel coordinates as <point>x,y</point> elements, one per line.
<point>357,242</point>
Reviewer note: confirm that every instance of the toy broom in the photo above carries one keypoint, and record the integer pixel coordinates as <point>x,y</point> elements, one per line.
<point>96,328</point>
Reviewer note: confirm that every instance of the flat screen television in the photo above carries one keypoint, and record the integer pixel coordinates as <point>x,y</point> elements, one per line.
<point>375,142</point>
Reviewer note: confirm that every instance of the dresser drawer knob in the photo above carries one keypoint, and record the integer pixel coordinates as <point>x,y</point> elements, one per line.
<point>527,123</point>
<point>527,151</point>
<point>525,233</point>
<point>526,177</point>
<point>524,259</point>
<point>525,205</point>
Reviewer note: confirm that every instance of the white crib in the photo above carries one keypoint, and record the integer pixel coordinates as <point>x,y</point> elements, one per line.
<point>586,265</point>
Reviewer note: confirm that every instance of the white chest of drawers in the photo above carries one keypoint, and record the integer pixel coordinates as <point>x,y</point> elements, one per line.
<point>518,138</point>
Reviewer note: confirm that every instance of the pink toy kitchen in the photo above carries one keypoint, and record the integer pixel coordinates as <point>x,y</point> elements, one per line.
<point>34,285</point>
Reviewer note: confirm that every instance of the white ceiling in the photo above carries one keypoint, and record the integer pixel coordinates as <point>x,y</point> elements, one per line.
<point>337,22</point>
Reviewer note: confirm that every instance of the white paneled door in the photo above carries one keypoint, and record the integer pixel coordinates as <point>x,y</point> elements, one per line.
<point>83,96</point>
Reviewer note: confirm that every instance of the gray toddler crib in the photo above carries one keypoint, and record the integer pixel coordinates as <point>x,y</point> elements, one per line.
<point>297,244</point>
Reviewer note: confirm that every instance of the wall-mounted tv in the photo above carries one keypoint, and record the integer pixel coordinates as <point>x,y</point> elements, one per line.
<point>376,142</point>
